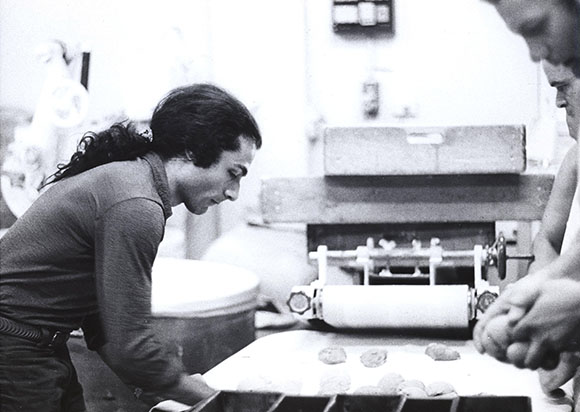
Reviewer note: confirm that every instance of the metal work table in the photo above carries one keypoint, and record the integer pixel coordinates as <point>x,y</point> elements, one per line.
<point>287,362</point>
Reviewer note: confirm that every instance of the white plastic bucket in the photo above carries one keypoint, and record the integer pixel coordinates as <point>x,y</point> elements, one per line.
<point>206,309</point>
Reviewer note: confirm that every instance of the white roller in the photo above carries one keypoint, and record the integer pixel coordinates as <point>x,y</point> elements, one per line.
<point>390,306</point>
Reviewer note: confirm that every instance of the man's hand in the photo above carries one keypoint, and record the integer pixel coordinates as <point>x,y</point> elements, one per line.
<point>552,325</point>
<point>498,308</point>
<point>516,300</point>
<point>551,380</point>
<point>518,354</point>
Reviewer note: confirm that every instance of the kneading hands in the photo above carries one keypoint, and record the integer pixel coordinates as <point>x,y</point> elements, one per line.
<point>534,321</point>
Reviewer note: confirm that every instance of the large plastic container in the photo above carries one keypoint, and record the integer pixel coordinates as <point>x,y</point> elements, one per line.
<point>206,310</point>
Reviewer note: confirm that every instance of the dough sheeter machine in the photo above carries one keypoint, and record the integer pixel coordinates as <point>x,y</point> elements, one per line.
<point>281,372</point>
<point>458,186</point>
<point>433,305</point>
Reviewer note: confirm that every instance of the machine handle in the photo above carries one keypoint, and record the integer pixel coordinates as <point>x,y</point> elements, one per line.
<point>521,257</point>
<point>501,257</point>
<point>498,256</point>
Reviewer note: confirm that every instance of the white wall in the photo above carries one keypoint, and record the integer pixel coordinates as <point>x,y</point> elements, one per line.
<point>454,60</point>
<point>450,61</point>
<point>133,43</point>
<point>258,52</point>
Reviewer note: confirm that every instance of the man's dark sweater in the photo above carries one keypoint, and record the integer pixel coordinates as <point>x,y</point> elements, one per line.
<point>81,256</point>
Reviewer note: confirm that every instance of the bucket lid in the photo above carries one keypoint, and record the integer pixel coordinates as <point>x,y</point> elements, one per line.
<point>195,288</point>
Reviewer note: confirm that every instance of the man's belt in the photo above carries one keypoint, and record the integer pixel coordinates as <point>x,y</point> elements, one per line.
<point>42,336</point>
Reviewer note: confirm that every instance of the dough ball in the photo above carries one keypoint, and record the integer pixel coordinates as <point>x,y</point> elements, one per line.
<point>413,392</point>
<point>332,355</point>
<point>441,352</point>
<point>516,353</point>
<point>373,358</point>
<point>412,388</point>
<point>499,330</point>
<point>439,388</point>
<point>411,383</point>
<point>334,382</point>
<point>368,390</point>
<point>389,383</point>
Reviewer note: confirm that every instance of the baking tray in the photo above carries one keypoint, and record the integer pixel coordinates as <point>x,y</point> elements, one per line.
<point>225,401</point>
<point>287,363</point>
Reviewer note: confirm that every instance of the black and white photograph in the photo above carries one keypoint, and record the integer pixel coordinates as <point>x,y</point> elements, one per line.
<point>289,206</point>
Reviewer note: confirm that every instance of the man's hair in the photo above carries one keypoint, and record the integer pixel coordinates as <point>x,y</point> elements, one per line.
<point>196,122</point>
<point>201,121</point>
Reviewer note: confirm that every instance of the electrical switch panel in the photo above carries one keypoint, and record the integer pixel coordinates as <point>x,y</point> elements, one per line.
<point>362,15</point>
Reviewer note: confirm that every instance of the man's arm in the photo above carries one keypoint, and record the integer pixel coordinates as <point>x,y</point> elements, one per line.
<point>552,325</point>
<point>186,389</point>
<point>128,237</point>
<point>548,242</point>
<point>547,263</point>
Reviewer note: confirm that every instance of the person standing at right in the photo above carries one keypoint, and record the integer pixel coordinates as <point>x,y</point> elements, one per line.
<point>551,29</point>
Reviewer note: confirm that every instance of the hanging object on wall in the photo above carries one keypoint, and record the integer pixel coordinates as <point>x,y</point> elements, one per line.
<point>371,100</point>
<point>32,156</point>
<point>362,16</point>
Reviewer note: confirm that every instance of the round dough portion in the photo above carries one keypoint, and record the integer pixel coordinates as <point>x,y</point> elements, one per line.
<point>412,388</point>
<point>412,383</point>
<point>368,390</point>
<point>517,352</point>
<point>389,384</point>
<point>334,382</point>
<point>499,330</point>
<point>332,355</point>
<point>374,358</point>
<point>439,388</point>
<point>413,392</point>
<point>441,352</point>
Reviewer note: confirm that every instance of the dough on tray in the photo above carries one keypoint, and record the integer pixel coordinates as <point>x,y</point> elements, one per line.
<point>439,388</point>
<point>368,390</point>
<point>389,383</point>
<point>332,355</point>
<point>412,383</point>
<point>412,388</point>
<point>373,358</point>
<point>413,392</point>
<point>394,384</point>
<point>441,352</point>
<point>333,382</point>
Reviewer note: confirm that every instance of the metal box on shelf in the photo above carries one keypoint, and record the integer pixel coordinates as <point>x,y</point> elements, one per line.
<point>406,150</point>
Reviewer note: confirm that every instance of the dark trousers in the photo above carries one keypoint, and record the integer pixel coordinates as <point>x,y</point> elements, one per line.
<point>36,378</point>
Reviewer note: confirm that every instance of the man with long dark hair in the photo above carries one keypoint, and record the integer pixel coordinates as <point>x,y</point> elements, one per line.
<point>81,255</point>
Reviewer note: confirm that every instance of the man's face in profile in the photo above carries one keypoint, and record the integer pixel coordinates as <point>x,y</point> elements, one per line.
<point>551,28</point>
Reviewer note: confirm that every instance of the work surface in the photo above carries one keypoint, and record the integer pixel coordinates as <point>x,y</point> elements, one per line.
<point>288,362</point>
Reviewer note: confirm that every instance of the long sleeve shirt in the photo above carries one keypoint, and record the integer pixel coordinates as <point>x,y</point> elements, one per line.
<point>81,256</point>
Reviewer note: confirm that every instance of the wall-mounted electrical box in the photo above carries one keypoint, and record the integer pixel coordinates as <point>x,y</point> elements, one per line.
<point>362,16</point>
